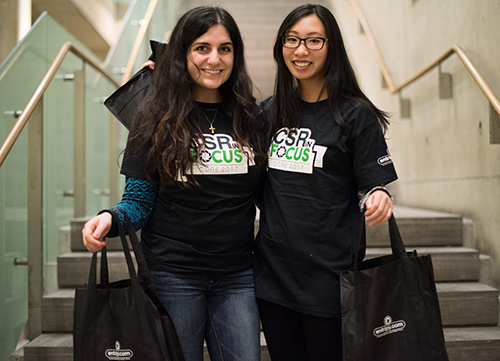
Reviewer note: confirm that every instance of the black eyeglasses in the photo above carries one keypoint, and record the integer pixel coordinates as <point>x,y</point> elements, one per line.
<point>312,43</point>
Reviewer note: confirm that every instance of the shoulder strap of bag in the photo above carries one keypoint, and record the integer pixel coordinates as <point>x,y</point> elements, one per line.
<point>126,249</point>
<point>92,283</point>
<point>361,228</point>
<point>398,248</point>
<point>139,256</point>
<point>93,272</point>
<point>138,290</point>
<point>397,245</point>
<point>104,266</point>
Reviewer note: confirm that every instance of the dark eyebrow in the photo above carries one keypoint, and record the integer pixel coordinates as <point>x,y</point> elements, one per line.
<point>208,44</point>
<point>310,35</point>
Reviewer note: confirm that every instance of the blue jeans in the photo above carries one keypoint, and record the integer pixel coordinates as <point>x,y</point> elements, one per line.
<point>221,310</point>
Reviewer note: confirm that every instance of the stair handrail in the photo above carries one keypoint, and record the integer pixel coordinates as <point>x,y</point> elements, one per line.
<point>65,49</point>
<point>42,87</point>
<point>35,279</point>
<point>455,49</point>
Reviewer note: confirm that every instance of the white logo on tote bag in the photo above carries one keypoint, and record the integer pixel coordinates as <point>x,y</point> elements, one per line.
<point>389,327</point>
<point>118,353</point>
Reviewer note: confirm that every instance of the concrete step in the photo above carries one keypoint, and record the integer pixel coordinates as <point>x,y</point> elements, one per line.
<point>57,311</point>
<point>467,304</point>
<point>462,304</point>
<point>77,225</point>
<point>450,263</point>
<point>17,355</point>
<point>462,344</point>
<point>50,347</point>
<point>420,228</point>
<point>73,268</point>
<point>478,344</point>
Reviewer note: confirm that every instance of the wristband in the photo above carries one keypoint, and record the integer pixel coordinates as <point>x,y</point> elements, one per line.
<point>364,196</point>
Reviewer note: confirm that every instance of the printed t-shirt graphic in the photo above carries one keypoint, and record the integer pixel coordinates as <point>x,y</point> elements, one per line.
<point>309,210</point>
<point>221,156</point>
<point>294,150</point>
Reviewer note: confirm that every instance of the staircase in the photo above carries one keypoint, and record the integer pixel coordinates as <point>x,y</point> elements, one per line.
<point>469,308</point>
<point>56,341</point>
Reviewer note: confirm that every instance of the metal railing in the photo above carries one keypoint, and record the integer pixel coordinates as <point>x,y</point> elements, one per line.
<point>32,115</point>
<point>66,48</point>
<point>455,49</point>
<point>28,110</point>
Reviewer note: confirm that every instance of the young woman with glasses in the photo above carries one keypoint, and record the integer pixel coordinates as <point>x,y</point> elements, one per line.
<point>327,150</point>
<point>193,165</point>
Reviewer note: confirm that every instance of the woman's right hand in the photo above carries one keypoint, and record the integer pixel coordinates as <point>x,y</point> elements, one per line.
<point>149,64</point>
<point>95,230</point>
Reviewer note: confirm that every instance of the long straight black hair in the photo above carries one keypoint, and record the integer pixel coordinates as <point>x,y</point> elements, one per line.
<point>340,79</point>
<point>168,130</point>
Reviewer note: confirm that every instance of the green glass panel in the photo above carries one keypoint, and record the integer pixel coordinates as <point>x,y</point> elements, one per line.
<point>162,22</point>
<point>13,244</point>
<point>20,75</point>
<point>17,85</point>
<point>58,167</point>
<point>118,56</point>
<point>98,158</point>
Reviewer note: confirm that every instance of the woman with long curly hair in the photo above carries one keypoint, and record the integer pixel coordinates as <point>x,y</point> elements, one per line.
<point>192,165</point>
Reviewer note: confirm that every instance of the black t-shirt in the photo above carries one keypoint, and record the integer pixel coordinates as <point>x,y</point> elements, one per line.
<point>310,220</point>
<point>207,228</point>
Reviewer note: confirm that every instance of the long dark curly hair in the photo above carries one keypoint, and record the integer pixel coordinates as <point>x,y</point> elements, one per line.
<point>168,132</point>
<point>340,79</point>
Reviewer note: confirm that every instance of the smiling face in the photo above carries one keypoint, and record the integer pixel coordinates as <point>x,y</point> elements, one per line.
<point>210,63</point>
<point>304,64</point>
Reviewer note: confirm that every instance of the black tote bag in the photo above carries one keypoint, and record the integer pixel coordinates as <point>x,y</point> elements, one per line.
<point>390,309</point>
<point>122,320</point>
<point>125,101</point>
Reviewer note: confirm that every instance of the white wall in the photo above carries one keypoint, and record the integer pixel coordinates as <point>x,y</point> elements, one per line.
<point>442,152</point>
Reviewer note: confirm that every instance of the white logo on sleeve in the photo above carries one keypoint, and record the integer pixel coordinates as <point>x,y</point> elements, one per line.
<point>389,327</point>
<point>294,150</point>
<point>385,160</point>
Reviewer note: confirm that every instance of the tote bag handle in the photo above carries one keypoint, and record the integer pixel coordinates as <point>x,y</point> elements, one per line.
<point>397,245</point>
<point>139,256</point>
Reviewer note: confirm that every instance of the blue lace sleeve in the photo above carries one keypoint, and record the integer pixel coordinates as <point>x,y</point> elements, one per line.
<point>137,202</point>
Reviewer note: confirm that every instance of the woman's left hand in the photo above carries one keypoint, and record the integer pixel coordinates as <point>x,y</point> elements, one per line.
<point>378,208</point>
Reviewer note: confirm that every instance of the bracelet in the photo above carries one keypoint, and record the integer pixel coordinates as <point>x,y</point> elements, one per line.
<point>364,196</point>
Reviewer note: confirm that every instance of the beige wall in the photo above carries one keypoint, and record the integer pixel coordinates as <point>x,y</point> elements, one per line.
<point>442,152</point>
<point>8,27</point>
